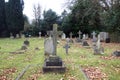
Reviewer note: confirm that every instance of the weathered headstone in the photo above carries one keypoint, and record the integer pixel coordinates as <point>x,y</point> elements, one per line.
<point>79,34</point>
<point>103,36</point>
<point>79,38</point>
<point>85,44</point>
<point>94,39</point>
<point>48,46</point>
<point>63,36</point>
<point>26,42</point>
<point>71,40</point>
<point>40,34</point>
<point>66,47</point>
<point>17,36</point>
<point>97,48</point>
<point>11,36</point>
<point>86,36</point>
<point>53,62</point>
<point>116,53</point>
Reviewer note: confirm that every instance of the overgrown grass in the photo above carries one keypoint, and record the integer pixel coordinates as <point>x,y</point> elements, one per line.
<point>78,56</point>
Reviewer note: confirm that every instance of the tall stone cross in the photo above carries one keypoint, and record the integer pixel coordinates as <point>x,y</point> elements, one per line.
<point>55,38</point>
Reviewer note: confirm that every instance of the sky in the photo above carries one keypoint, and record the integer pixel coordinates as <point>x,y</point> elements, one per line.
<point>56,5</point>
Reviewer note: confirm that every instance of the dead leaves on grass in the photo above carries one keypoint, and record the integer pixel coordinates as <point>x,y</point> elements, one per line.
<point>109,57</point>
<point>94,73</point>
<point>6,72</point>
<point>35,76</point>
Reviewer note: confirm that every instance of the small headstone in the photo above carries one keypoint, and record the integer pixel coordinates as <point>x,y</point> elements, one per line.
<point>17,36</point>
<point>86,37</point>
<point>11,36</point>
<point>63,36</point>
<point>85,44</point>
<point>40,34</point>
<point>22,36</point>
<point>116,53</point>
<point>66,47</point>
<point>26,42</point>
<point>71,34</point>
<point>79,34</point>
<point>94,39</point>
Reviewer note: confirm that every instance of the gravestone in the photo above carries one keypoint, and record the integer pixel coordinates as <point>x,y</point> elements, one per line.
<point>79,34</point>
<point>71,34</point>
<point>104,36</point>
<point>26,42</point>
<point>116,53</point>
<point>86,37</point>
<point>79,38</point>
<point>97,47</point>
<point>40,34</point>
<point>17,36</point>
<point>53,62</point>
<point>94,39</point>
<point>11,36</point>
<point>63,36</point>
<point>66,47</point>
<point>48,46</point>
<point>85,44</point>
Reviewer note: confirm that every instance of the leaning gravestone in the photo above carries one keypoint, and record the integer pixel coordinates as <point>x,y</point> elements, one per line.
<point>53,62</point>
<point>48,46</point>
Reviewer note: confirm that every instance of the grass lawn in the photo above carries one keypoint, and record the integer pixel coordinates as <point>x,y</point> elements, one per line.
<point>11,65</point>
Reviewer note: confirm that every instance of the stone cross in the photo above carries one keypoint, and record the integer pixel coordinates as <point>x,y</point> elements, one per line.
<point>79,34</point>
<point>55,38</point>
<point>71,35</point>
<point>93,33</point>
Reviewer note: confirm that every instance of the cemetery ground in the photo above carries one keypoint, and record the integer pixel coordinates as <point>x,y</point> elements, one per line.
<point>102,67</point>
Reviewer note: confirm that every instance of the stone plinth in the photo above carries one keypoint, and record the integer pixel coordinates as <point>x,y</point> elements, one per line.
<point>54,64</point>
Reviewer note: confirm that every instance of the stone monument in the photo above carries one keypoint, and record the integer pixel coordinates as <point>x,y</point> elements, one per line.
<point>53,62</point>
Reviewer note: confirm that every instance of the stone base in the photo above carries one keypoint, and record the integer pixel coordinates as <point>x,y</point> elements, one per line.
<point>53,64</point>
